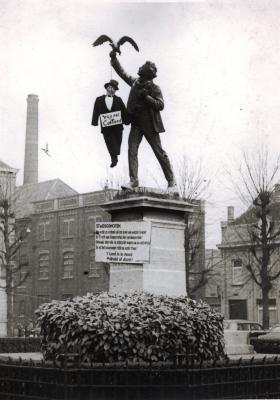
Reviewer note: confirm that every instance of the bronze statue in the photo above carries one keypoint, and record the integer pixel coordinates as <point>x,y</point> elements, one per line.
<point>144,104</point>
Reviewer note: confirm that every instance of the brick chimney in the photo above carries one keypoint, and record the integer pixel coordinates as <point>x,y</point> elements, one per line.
<point>230,214</point>
<point>31,141</point>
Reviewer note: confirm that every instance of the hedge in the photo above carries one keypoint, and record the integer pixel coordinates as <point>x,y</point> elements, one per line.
<point>269,343</point>
<point>135,327</point>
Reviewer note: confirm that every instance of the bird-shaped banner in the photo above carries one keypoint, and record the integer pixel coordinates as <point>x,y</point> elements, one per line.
<point>115,45</point>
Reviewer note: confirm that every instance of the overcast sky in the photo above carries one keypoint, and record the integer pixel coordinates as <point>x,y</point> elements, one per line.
<point>218,68</point>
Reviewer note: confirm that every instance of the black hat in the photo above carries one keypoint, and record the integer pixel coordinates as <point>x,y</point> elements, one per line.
<point>113,83</point>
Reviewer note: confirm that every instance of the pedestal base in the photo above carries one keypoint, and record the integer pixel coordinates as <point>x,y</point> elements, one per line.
<point>165,272</point>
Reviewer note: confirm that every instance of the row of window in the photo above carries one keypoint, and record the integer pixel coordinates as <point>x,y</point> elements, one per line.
<point>239,273</point>
<point>68,227</point>
<point>67,265</point>
<point>238,309</point>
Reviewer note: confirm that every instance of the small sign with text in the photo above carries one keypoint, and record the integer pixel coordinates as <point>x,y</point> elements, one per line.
<point>123,242</point>
<point>111,119</point>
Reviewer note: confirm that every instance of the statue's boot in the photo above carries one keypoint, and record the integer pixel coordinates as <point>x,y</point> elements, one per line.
<point>172,187</point>
<point>130,185</point>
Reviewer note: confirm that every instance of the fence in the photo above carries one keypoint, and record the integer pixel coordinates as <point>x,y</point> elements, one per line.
<point>169,381</point>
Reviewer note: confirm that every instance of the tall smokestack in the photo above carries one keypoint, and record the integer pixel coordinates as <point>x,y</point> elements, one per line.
<point>31,141</point>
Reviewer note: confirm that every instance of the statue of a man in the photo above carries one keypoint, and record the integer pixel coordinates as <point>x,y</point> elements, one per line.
<point>144,104</point>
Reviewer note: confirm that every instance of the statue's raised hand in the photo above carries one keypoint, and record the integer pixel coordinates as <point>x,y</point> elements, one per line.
<point>113,54</point>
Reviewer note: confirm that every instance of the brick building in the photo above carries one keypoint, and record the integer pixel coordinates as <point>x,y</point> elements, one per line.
<point>60,252</point>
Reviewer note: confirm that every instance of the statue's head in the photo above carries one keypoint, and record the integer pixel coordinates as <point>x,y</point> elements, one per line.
<point>148,70</point>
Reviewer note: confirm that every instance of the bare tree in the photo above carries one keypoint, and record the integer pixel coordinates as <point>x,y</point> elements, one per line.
<point>12,237</point>
<point>192,184</point>
<point>255,185</point>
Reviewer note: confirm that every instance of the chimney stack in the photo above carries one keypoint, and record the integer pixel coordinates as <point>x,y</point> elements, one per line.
<point>230,214</point>
<point>31,141</point>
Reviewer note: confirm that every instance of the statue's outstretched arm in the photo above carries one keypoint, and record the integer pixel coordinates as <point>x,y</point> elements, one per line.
<point>119,69</point>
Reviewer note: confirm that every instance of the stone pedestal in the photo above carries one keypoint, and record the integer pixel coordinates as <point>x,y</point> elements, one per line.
<point>165,271</point>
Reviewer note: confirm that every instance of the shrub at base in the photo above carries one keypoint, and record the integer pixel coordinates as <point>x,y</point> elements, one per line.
<point>135,326</point>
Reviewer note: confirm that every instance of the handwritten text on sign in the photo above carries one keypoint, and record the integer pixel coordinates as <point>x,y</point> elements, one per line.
<point>123,242</point>
<point>110,119</point>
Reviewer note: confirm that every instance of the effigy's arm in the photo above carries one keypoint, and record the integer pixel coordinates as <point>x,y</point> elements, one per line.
<point>96,113</point>
<point>120,71</point>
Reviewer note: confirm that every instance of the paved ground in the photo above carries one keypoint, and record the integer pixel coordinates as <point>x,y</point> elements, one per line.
<point>39,356</point>
<point>249,356</point>
<point>23,356</point>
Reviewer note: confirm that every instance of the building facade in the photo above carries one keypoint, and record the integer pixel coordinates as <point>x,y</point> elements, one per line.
<point>60,253</point>
<point>195,250</point>
<point>7,189</point>
<point>241,296</point>
<point>214,287</point>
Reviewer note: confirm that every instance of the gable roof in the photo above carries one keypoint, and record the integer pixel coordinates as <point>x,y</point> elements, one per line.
<point>6,167</point>
<point>26,194</point>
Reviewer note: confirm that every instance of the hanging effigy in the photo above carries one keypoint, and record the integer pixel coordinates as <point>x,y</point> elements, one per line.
<point>109,109</point>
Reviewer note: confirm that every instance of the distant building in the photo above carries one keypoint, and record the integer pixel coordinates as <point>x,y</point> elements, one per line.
<point>197,249</point>
<point>215,278</point>
<point>242,298</point>
<point>7,188</point>
<point>27,194</point>
<point>60,250</point>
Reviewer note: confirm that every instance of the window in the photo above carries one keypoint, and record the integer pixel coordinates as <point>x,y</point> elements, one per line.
<point>93,269</point>
<point>67,296</point>
<point>237,272</point>
<point>272,311</point>
<point>43,266</point>
<point>68,228</point>
<point>21,308</point>
<point>91,223</point>
<point>44,230</point>
<point>22,271</point>
<point>68,265</point>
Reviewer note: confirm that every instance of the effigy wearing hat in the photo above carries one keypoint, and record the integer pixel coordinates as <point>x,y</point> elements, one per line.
<point>113,83</point>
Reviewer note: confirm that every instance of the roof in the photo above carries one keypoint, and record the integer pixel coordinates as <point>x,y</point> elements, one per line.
<point>28,193</point>
<point>4,166</point>
<point>251,215</point>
